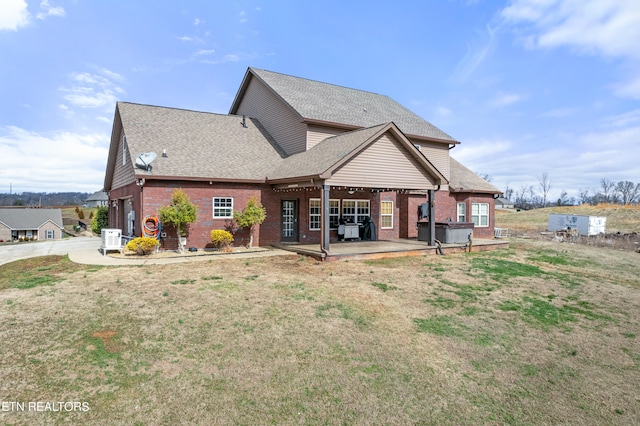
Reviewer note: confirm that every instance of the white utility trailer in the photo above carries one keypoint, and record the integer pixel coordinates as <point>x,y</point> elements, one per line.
<point>586,225</point>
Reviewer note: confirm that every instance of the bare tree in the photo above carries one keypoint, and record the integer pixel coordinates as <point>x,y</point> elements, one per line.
<point>508,192</point>
<point>564,199</point>
<point>585,198</point>
<point>628,191</point>
<point>521,197</point>
<point>607,187</point>
<point>545,186</point>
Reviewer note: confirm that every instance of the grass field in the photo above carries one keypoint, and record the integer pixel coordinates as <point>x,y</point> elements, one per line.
<point>539,334</point>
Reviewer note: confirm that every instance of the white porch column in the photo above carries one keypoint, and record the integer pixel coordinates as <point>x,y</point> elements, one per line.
<point>324,218</point>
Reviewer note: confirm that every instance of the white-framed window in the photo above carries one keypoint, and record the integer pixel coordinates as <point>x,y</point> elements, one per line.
<point>480,214</point>
<point>462,212</point>
<point>386,214</point>
<point>355,210</point>
<point>334,214</point>
<point>315,209</point>
<point>124,150</point>
<point>223,207</point>
<point>49,234</point>
<point>315,214</point>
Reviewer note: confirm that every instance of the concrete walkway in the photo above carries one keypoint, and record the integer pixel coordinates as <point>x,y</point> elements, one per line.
<point>86,250</point>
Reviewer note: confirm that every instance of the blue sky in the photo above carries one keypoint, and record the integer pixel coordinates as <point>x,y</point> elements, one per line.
<point>526,86</point>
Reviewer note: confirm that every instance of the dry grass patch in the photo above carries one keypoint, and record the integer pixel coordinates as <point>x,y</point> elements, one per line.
<point>537,334</point>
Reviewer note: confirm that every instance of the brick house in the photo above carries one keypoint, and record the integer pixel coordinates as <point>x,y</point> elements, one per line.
<point>30,224</point>
<point>314,154</point>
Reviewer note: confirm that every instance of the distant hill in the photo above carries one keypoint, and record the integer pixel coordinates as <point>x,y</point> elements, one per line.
<point>44,199</point>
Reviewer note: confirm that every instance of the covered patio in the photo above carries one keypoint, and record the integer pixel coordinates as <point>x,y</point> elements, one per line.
<point>381,249</point>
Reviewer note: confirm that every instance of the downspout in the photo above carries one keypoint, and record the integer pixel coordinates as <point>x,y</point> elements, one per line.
<point>432,216</point>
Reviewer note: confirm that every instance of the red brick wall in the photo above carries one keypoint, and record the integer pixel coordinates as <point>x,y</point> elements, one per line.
<point>146,201</point>
<point>201,194</point>
<point>446,207</point>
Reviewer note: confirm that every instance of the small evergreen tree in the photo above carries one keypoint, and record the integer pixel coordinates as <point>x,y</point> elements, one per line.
<point>179,213</point>
<point>253,214</point>
<point>100,220</point>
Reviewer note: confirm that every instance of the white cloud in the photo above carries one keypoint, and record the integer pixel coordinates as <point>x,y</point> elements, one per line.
<point>505,99</point>
<point>559,113</point>
<point>47,10</point>
<point>202,52</point>
<point>579,162</point>
<point>198,21</point>
<point>443,111</point>
<point>628,89</point>
<point>477,51</point>
<point>13,14</point>
<point>58,161</point>
<point>87,90</point>
<point>594,27</point>
<point>233,57</point>
<point>622,120</point>
<point>611,28</point>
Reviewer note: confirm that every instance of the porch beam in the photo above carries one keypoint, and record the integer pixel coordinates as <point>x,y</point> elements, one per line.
<point>432,218</point>
<point>324,218</point>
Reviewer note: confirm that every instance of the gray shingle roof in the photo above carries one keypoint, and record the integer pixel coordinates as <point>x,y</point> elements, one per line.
<point>29,219</point>
<point>98,196</point>
<point>198,144</point>
<point>464,180</point>
<point>319,101</point>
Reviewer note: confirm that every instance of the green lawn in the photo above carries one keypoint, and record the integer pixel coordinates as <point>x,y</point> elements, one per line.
<point>539,334</point>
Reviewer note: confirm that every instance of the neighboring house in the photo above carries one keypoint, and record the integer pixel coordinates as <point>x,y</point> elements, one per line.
<point>504,203</point>
<point>314,154</point>
<point>97,199</point>
<point>30,224</point>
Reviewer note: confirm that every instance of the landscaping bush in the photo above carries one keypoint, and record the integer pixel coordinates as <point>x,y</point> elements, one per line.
<point>142,245</point>
<point>221,239</point>
<point>100,220</point>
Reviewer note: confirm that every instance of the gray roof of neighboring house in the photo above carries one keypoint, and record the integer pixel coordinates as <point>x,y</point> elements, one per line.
<point>25,219</point>
<point>504,201</point>
<point>198,144</point>
<point>317,101</point>
<point>98,196</point>
<point>464,180</point>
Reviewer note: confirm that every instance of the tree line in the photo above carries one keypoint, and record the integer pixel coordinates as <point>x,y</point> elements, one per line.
<point>44,199</point>
<point>623,192</point>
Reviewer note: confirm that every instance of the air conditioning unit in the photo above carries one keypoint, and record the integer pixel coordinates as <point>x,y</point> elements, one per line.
<point>111,240</point>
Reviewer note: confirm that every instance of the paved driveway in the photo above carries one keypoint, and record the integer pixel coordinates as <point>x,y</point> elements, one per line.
<point>17,251</point>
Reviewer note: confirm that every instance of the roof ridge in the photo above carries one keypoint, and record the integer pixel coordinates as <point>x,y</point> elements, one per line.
<point>320,82</point>
<point>177,109</point>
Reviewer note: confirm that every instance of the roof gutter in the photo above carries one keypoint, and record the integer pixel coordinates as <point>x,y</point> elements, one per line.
<point>198,179</point>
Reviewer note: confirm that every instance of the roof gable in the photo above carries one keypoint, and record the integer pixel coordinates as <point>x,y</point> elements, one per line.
<point>328,158</point>
<point>319,102</point>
